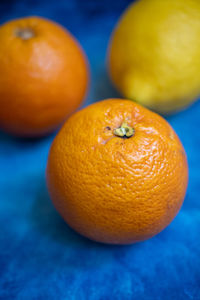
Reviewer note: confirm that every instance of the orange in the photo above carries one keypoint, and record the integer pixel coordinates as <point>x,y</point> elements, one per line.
<point>117,172</point>
<point>43,78</point>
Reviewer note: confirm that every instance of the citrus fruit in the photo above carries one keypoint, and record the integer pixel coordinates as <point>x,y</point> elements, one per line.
<point>43,78</point>
<point>154,53</point>
<point>117,172</point>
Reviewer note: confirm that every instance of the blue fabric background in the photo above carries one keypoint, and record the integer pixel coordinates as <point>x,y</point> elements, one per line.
<point>40,257</point>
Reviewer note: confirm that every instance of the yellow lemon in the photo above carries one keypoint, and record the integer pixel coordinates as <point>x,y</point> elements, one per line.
<point>154,53</point>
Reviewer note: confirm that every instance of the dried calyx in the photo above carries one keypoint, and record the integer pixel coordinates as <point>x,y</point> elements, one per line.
<point>24,33</point>
<point>124,131</point>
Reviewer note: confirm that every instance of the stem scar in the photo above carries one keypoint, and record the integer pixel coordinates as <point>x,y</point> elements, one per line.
<point>124,131</point>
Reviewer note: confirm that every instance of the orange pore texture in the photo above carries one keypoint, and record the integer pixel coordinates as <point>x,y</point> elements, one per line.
<point>43,78</point>
<point>111,189</point>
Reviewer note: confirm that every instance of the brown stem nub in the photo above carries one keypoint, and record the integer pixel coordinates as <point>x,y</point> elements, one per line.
<point>24,33</point>
<point>124,131</point>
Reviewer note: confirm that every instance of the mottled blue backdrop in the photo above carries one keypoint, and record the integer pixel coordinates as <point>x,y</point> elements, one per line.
<point>40,257</point>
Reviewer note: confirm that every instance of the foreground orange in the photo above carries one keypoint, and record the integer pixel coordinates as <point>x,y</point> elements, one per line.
<point>43,78</point>
<point>117,172</point>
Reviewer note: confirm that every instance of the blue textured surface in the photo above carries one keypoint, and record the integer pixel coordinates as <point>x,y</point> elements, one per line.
<point>40,257</point>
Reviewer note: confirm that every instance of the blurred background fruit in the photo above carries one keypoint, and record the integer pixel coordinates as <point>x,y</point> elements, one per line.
<point>43,78</point>
<point>154,53</point>
<point>117,172</point>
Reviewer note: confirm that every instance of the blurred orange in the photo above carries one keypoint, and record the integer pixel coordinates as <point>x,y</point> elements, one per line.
<point>44,76</point>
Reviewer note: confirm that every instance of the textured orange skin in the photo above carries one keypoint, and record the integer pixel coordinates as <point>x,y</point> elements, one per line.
<point>116,190</point>
<point>42,79</point>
